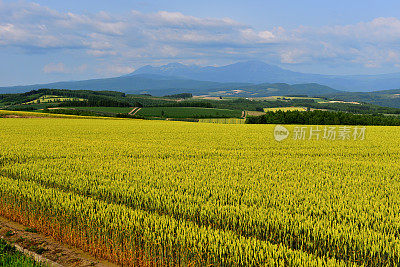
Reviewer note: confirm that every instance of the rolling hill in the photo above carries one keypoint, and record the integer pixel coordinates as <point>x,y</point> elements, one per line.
<point>260,72</point>
<point>386,98</point>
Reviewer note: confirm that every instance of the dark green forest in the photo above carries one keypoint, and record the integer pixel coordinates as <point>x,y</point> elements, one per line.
<point>318,117</point>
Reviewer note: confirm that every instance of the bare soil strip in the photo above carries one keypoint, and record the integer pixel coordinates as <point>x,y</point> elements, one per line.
<point>137,111</point>
<point>133,110</point>
<point>45,249</point>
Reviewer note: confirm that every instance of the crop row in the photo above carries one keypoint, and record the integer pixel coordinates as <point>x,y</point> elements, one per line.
<point>162,238</point>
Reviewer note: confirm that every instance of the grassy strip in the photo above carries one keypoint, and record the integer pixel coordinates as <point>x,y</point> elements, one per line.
<point>9,256</point>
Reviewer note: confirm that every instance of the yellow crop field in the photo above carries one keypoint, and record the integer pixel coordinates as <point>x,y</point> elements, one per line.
<point>28,114</point>
<point>140,192</point>
<point>224,121</point>
<point>53,98</point>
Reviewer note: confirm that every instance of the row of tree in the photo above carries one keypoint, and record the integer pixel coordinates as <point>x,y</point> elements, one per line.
<point>319,117</point>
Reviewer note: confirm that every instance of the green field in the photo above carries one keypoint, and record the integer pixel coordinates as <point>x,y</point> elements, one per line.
<point>188,112</point>
<point>125,110</point>
<point>9,256</point>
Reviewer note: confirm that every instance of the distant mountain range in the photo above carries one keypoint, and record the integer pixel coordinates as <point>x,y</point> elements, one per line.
<point>160,85</point>
<point>251,78</point>
<point>260,72</point>
<point>140,83</point>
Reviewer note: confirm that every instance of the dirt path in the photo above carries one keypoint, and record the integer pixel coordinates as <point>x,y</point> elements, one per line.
<point>43,247</point>
<point>133,110</point>
<point>136,111</point>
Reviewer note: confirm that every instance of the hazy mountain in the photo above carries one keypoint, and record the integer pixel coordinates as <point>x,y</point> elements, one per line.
<point>274,89</point>
<point>144,83</point>
<point>256,78</point>
<point>260,72</point>
<point>244,72</point>
<point>163,85</point>
<point>160,85</point>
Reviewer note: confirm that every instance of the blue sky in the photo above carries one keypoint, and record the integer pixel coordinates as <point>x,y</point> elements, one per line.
<point>47,40</point>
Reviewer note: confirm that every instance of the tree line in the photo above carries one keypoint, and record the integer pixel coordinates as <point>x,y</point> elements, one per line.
<point>319,117</point>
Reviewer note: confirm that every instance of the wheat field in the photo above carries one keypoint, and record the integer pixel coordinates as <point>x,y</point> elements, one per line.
<point>141,192</point>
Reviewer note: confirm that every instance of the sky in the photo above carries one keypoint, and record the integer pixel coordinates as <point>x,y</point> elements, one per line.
<point>47,40</point>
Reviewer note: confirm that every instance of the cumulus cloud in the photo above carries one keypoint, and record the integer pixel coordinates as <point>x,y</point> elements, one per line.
<point>55,68</point>
<point>61,68</point>
<point>371,44</point>
<point>172,36</point>
<point>118,69</point>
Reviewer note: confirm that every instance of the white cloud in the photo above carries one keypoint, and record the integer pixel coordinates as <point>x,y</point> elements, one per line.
<point>61,68</point>
<point>172,36</point>
<point>293,56</point>
<point>118,69</point>
<point>371,44</point>
<point>82,68</point>
<point>55,68</point>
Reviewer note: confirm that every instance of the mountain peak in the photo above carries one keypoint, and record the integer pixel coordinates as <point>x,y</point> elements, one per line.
<point>246,71</point>
<point>173,65</point>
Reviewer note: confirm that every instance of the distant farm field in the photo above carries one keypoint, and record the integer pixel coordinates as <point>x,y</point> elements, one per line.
<point>224,121</point>
<point>254,113</point>
<point>188,112</point>
<point>124,110</point>
<point>149,192</point>
<point>31,114</point>
<point>53,98</point>
<point>285,109</point>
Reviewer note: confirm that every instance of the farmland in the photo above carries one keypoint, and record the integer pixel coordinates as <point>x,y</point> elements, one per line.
<point>53,98</point>
<point>25,114</point>
<point>180,106</point>
<point>134,191</point>
<point>106,109</point>
<point>285,109</point>
<point>188,112</point>
<point>224,121</point>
